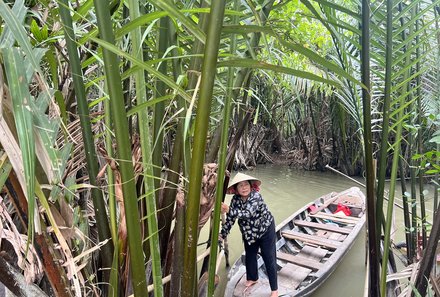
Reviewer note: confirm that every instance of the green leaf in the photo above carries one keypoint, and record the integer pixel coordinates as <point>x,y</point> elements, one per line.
<point>50,58</point>
<point>311,55</point>
<point>143,106</point>
<point>144,66</point>
<point>47,131</point>
<point>7,38</point>
<point>187,22</point>
<point>35,30</point>
<point>18,31</point>
<point>435,139</point>
<point>340,8</point>
<point>5,168</point>
<point>249,63</point>
<point>21,99</point>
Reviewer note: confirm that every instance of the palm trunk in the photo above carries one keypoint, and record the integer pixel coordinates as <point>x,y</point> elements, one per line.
<point>429,256</point>
<point>159,109</point>
<point>172,179</point>
<point>196,62</point>
<point>113,78</point>
<point>406,218</point>
<point>372,233</point>
<point>419,134</point>
<point>181,149</point>
<point>436,186</point>
<point>148,172</point>
<point>412,246</point>
<point>200,133</point>
<point>320,167</point>
<point>88,138</point>
<point>222,163</point>
<point>179,249</point>
<point>383,155</point>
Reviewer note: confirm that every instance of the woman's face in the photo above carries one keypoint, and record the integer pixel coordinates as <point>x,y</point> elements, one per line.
<point>244,188</point>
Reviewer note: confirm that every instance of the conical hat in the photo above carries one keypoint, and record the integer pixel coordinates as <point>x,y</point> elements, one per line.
<point>239,177</point>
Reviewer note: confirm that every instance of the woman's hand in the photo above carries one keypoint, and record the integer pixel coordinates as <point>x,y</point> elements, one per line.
<point>225,208</point>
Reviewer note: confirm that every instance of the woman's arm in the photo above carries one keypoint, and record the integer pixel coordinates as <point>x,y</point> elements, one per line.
<point>230,220</point>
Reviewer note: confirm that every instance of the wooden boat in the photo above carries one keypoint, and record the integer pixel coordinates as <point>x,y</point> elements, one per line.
<point>310,245</point>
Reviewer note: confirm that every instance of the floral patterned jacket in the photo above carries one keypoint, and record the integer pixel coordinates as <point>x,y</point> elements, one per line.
<point>254,218</point>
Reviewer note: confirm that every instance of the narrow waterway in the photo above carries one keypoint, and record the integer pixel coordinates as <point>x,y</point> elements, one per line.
<point>285,190</point>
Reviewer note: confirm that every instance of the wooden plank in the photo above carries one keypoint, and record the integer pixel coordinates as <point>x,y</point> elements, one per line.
<point>311,239</point>
<point>330,235</point>
<point>339,215</point>
<point>291,275</point>
<point>326,227</point>
<point>336,236</point>
<point>336,218</point>
<point>315,253</point>
<point>300,261</point>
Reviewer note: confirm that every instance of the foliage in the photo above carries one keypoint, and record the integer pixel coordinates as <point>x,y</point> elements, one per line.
<point>429,161</point>
<point>135,75</point>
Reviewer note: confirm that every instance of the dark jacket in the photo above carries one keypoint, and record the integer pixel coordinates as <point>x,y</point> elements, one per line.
<point>254,218</point>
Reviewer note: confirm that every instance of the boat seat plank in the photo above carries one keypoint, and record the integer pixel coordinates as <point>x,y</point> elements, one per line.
<point>291,275</point>
<point>300,261</point>
<point>338,215</point>
<point>313,253</point>
<point>336,218</point>
<point>327,227</point>
<point>330,235</point>
<point>337,236</point>
<point>331,244</point>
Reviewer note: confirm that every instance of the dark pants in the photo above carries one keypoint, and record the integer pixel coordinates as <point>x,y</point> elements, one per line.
<point>268,251</point>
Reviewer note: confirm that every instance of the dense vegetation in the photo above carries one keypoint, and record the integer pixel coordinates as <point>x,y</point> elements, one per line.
<point>117,117</point>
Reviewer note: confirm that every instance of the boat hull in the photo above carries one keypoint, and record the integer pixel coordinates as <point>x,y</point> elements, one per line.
<point>310,245</point>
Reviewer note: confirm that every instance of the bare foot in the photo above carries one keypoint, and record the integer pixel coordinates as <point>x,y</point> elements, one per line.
<point>250,283</point>
<point>274,294</point>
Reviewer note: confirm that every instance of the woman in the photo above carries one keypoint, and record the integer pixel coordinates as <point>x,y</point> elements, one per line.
<point>257,227</point>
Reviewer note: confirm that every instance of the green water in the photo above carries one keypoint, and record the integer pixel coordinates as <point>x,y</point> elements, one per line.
<point>285,190</point>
